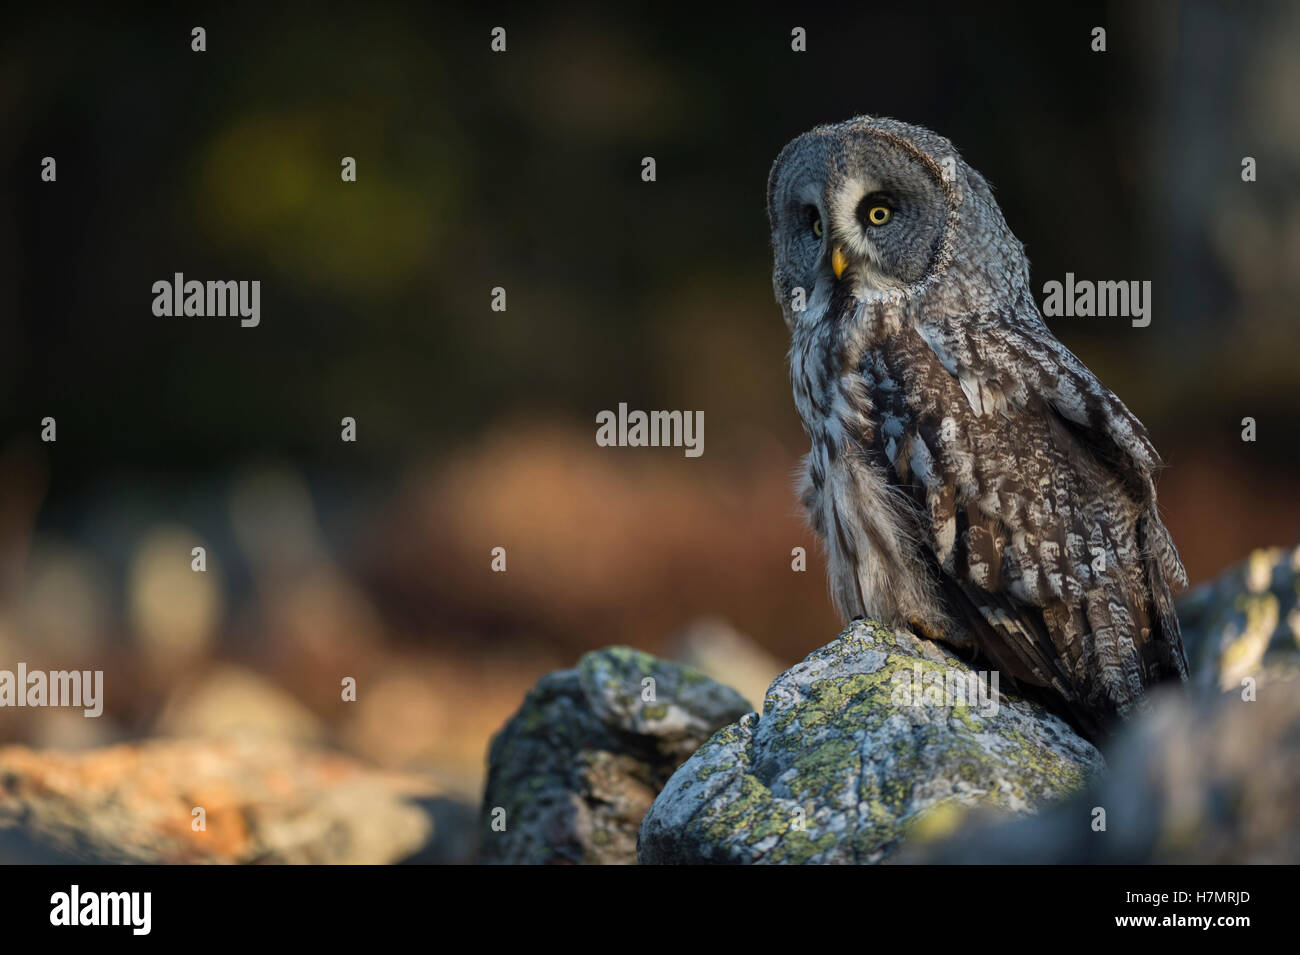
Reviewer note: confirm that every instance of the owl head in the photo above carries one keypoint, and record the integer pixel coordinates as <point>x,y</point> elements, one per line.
<point>877,207</point>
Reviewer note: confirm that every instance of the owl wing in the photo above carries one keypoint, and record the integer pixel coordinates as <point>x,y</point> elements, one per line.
<point>1037,486</point>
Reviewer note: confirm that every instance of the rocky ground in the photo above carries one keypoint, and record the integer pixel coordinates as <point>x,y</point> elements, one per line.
<point>842,764</point>
<point>878,747</point>
<point>214,801</point>
<point>850,763</point>
<point>574,771</point>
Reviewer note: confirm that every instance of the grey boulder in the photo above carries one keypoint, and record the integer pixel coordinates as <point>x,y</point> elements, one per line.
<point>875,738</point>
<point>574,770</point>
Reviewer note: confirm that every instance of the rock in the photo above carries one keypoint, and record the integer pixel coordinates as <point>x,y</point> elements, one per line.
<point>1245,622</point>
<point>722,653</point>
<point>1202,777</point>
<point>235,701</point>
<point>174,612</point>
<point>841,745</point>
<point>1189,783</point>
<point>575,769</point>
<point>264,802</point>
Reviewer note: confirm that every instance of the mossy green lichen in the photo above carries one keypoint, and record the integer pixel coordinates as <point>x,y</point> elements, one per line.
<point>840,752</point>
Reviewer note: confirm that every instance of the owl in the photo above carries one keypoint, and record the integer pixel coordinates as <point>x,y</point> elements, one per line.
<point>969,477</point>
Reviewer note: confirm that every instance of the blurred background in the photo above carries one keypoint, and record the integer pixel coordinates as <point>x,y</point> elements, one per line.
<point>475,427</point>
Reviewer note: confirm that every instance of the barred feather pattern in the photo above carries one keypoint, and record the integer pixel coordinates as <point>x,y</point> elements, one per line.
<point>968,475</point>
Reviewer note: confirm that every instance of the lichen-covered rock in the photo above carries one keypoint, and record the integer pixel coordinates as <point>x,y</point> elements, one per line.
<point>1192,781</point>
<point>1201,777</point>
<point>869,740</point>
<point>574,770</point>
<point>1246,622</point>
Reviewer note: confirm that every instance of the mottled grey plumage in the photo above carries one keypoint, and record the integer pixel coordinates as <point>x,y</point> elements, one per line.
<point>969,476</point>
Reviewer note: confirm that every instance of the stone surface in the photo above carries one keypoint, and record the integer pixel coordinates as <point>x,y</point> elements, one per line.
<point>1191,782</point>
<point>236,701</point>
<point>1246,622</point>
<point>1211,773</point>
<point>842,747</point>
<point>265,802</point>
<point>575,769</point>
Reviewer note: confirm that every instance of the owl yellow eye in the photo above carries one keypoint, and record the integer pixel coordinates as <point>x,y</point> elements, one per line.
<point>817,228</point>
<point>879,215</point>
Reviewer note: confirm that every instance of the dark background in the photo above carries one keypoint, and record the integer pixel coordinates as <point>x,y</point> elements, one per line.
<point>476,428</point>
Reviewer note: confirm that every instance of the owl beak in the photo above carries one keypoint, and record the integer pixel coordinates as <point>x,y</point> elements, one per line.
<point>839,261</point>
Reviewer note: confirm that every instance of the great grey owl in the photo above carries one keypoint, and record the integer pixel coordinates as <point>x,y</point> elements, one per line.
<point>970,478</point>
